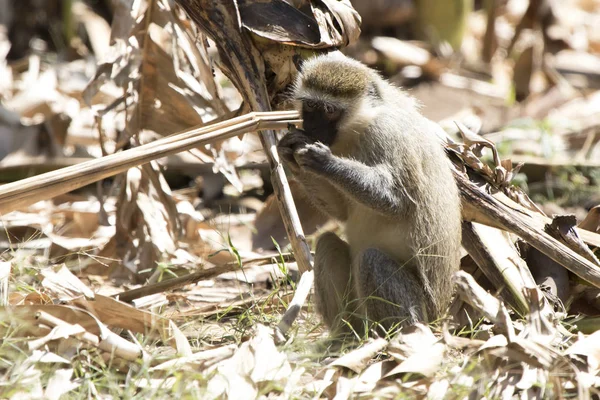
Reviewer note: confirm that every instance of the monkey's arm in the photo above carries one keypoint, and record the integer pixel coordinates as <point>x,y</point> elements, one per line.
<point>373,186</point>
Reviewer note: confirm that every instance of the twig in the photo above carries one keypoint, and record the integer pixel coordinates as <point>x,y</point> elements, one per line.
<point>490,42</point>
<point>45,186</point>
<point>181,281</point>
<point>175,283</point>
<point>302,291</point>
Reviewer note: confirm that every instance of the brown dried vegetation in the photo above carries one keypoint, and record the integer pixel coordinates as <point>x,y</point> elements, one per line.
<point>152,245</point>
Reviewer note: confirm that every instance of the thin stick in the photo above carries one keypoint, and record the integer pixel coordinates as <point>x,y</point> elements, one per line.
<point>45,186</point>
<point>302,291</point>
<point>181,281</point>
<point>175,283</point>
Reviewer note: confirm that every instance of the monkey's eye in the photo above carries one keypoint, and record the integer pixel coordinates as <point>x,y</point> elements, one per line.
<point>310,105</point>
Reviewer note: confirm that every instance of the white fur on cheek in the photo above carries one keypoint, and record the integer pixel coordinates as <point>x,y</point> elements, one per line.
<point>359,119</point>
<point>352,127</point>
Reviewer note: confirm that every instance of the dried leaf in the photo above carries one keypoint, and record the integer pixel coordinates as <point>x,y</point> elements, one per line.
<point>255,361</point>
<point>426,361</point>
<point>181,343</point>
<point>587,346</point>
<point>410,341</point>
<point>279,21</point>
<point>64,284</point>
<point>358,359</point>
<point>118,314</point>
<point>197,361</point>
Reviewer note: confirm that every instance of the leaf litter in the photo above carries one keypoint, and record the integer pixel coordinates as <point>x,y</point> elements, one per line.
<point>69,263</point>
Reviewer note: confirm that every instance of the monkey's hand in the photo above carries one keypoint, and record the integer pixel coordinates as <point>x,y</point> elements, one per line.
<point>291,143</point>
<point>313,156</point>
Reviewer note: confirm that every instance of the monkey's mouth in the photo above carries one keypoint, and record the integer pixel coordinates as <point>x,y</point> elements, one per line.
<point>320,130</point>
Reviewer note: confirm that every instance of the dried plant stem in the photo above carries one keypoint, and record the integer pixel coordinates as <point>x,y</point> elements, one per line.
<point>45,186</point>
<point>302,291</point>
<point>295,233</point>
<point>499,215</point>
<point>481,242</point>
<point>175,283</point>
<point>181,281</point>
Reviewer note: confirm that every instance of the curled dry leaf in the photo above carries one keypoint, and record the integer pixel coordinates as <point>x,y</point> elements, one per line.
<point>410,340</point>
<point>374,373</point>
<point>426,361</point>
<point>199,361</point>
<point>66,321</point>
<point>120,315</point>
<point>563,227</point>
<point>460,343</point>
<point>470,291</point>
<point>280,22</point>
<point>181,343</point>
<point>358,359</point>
<point>60,383</point>
<point>111,312</point>
<point>344,387</point>
<point>312,24</point>
<point>587,347</point>
<point>347,18</point>
<point>64,284</point>
<point>502,174</point>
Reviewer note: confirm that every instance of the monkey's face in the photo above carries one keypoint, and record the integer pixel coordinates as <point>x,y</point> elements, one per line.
<point>321,120</point>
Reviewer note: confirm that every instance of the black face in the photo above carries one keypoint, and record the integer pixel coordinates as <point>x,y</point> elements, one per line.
<point>321,120</point>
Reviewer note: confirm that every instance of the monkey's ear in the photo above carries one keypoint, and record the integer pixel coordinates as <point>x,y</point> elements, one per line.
<point>298,61</point>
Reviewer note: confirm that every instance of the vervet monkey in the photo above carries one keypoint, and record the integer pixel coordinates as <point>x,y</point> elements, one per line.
<point>368,158</point>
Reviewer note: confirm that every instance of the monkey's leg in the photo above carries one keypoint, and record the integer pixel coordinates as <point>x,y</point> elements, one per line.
<point>334,289</point>
<point>392,293</point>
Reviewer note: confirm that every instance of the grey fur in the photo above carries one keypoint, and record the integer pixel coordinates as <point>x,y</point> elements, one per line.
<point>387,177</point>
